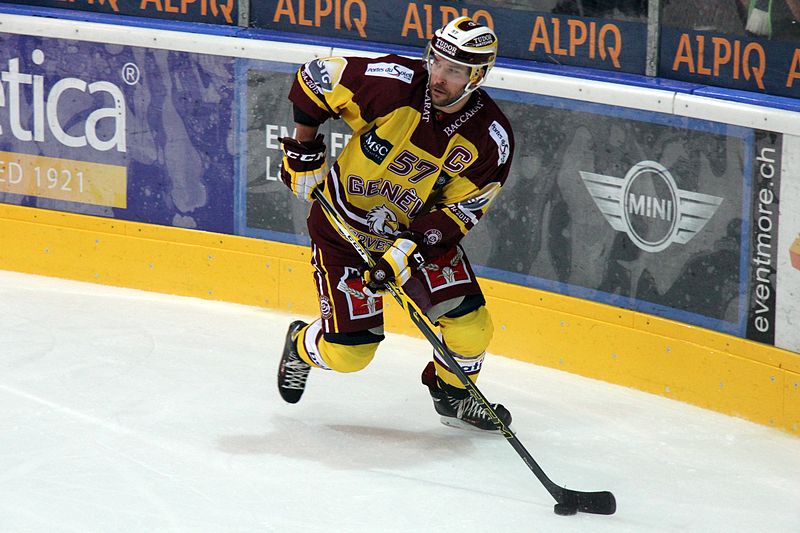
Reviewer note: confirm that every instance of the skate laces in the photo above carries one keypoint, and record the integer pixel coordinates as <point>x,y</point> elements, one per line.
<point>468,408</point>
<point>295,372</point>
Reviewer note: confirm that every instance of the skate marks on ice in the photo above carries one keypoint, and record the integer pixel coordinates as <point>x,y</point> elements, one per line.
<point>334,445</point>
<point>130,411</point>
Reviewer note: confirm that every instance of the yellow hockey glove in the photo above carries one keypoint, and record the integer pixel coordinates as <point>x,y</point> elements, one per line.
<point>397,264</point>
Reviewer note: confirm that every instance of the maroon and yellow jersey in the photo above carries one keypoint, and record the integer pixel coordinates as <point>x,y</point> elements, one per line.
<point>407,166</point>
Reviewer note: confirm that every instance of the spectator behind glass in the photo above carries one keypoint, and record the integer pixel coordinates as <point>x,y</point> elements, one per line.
<point>633,10</point>
<point>526,5</point>
<point>771,19</point>
<point>774,19</point>
<point>630,10</point>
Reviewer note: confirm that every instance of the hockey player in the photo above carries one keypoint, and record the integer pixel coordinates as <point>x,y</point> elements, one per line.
<point>429,153</point>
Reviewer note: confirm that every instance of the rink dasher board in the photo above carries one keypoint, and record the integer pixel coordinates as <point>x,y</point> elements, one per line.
<point>771,367</point>
<point>615,94</point>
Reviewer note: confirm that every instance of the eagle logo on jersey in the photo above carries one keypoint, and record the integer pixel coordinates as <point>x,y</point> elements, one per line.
<point>382,221</point>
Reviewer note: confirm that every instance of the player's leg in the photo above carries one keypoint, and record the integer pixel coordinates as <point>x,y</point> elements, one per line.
<point>459,309</point>
<point>343,339</point>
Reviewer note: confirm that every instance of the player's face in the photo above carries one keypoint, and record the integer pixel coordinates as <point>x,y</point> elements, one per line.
<point>447,80</point>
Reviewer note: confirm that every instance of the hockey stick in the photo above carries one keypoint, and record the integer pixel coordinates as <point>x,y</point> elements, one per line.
<point>568,501</point>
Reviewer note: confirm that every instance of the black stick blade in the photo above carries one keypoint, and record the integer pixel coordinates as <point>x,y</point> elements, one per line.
<point>592,502</point>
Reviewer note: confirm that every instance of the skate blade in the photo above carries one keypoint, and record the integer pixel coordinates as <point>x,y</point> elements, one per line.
<point>460,424</point>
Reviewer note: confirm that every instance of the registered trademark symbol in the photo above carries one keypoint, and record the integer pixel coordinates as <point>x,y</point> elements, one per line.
<point>130,73</point>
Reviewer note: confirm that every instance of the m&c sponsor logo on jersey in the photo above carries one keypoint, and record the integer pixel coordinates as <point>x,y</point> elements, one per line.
<point>500,136</point>
<point>375,148</point>
<point>326,73</point>
<point>649,207</point>
<point>390,70</point>
<point>426,106</point>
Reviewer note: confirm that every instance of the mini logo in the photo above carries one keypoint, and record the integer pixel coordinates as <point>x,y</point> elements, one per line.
<point>390,70</point>
<point>375,148</point>
<point>467,24</point>
<point>649,207</point>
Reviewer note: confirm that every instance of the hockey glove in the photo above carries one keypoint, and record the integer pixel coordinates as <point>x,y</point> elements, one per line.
<point>395,265</point>
<point>303,165</point>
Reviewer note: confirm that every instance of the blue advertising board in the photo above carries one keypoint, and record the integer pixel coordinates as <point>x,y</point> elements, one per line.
<point>568,39</point>
<point>641,210</point>
<point>208,11</point>
<point>737,62</point>
<point>124,132</point>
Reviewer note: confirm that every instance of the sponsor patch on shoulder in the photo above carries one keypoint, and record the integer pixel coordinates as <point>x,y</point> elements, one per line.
<point>327,72</point>
<point>390,70</point>
<point>500,136</point>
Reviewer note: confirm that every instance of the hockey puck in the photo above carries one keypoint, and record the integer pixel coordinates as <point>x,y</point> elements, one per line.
<point>564,509</point>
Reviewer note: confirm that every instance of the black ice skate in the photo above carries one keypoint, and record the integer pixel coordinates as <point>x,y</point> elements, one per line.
<point>457,408</point>
<point>293,371</point>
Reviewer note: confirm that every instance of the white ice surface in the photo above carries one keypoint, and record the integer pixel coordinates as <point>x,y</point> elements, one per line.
<point>126,411</point>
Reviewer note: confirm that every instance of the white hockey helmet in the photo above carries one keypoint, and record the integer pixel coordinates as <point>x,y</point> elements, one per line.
<point>465,42</point>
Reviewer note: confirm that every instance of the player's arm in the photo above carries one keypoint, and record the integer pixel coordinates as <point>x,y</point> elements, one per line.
<point>303,165</point>
<point>326,88</point>
<point>319,92</point>
<point>430,236</point>
<point>467,193</point>
<point>460,208</point>
<point>462,202</point>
